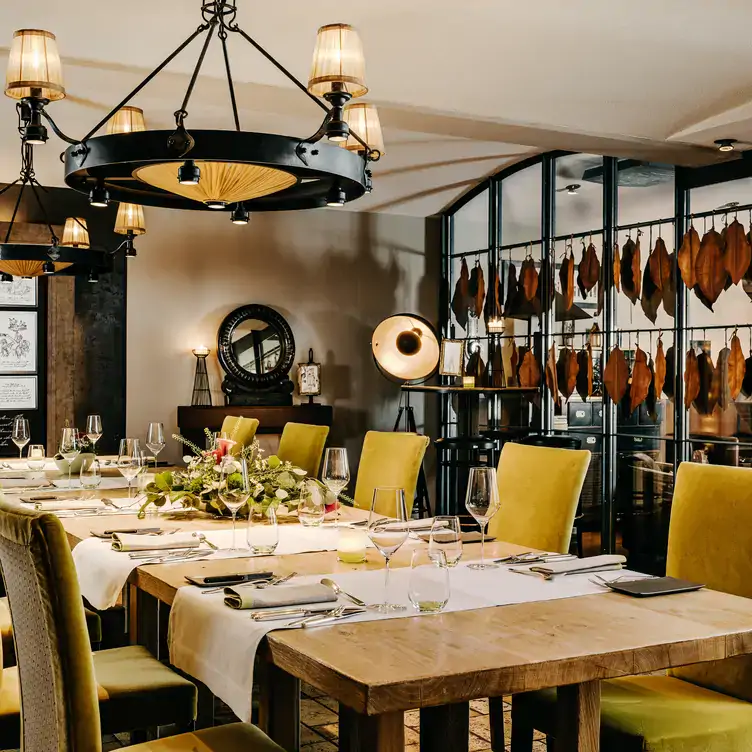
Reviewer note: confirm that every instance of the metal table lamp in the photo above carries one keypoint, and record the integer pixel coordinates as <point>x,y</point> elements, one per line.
<point>201,392</point>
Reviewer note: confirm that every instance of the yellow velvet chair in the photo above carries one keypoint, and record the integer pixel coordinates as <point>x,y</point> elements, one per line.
<point>241,430</point>
<point>701,708</point>
<point>539,489</point>
<point>389,460</point>
<point>303,445</point>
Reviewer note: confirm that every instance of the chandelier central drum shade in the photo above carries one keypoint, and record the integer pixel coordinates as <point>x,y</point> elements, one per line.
<point>405,348</point>
<point>34,68</point>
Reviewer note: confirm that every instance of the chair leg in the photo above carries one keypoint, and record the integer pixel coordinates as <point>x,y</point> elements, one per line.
<point>139,736</point>
<point>496,719</point>
<point>522,729</point>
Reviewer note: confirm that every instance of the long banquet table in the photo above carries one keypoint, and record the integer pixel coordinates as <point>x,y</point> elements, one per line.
<point>378,670</point>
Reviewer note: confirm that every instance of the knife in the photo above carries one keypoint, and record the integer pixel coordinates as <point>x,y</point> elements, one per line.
<point>316,622</point>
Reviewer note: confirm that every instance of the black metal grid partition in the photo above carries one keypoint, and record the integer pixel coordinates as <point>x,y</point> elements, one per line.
<point>552,206</point>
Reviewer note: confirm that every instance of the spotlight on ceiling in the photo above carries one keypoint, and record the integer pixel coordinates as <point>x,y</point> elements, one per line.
<point>93,276</point>
<point>405,348</point>
<point>336,196</point>
<point>725,144</point>
<point>6,278</point>
<point>99,196</point>
<point>189,173</point>
<point>239,215</point>
<point>48,268</point>
<point>572,189</point>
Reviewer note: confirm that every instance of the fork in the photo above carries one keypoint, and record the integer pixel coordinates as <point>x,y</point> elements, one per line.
<point>333,614</point>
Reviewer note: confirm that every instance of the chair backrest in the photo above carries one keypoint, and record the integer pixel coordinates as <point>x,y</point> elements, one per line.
<point>392,460</point>
<point>303,445</point>
<point>539,488</point>
<point>60,711</point>
<point>710,541</point>
<point>240,430</point>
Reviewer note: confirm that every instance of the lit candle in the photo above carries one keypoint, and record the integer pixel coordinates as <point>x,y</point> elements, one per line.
<point>468,382</point>
<point>351,546</point>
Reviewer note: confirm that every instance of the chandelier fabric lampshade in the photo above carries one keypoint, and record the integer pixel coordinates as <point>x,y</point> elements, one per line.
<point>363,118</point>
<point>34,68</point>
<point>126,120</point>
<point>130,218</point>
<point>75,233</point>
<point>338,62</point>
<point>405,348</point>
<point>28,267</point>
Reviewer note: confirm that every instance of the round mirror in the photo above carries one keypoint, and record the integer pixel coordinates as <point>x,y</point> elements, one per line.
<point>257,346</point>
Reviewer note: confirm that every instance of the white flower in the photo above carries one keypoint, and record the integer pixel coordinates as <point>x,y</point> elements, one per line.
<point>187,459</point>
<point>280,493</point>
<point>259,489</point>
<point>299,471</point>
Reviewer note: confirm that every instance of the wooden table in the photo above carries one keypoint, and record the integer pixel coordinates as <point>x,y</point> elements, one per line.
<point>378,670</point>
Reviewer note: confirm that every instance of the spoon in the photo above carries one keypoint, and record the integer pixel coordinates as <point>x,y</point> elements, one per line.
<point>339,591</point>
<point>204,539</point>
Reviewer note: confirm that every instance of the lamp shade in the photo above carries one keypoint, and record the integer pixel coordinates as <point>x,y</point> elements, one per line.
<point>130,218</point>
<point>34,68</point>
<point>405,348</point>
<point>363,119</point>
<point>126,120</point>
<point>75,233</point>
<point>338,62</point>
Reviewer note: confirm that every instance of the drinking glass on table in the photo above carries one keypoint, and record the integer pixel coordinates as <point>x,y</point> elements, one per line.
<point>35,458</point>
<point>70,448</point>
<point>429,581</point>
<point>155,440</point>
<point>91,477</point>
<point>336,472</point>
<point>130,461</point>
<point>482,501</point>
<point>388,530</point>
<point>94,430</point>
<point>21,435</point>
<point>446,539</point>
<point>234,489</point>
<point>312,506</point>
<point>262,532</point>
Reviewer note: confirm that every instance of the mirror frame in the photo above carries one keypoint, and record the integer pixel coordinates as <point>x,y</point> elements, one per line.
<point>227,358</point>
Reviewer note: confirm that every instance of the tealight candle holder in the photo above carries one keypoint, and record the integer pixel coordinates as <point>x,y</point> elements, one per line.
<point>351,545</point>
<point>468,382</point>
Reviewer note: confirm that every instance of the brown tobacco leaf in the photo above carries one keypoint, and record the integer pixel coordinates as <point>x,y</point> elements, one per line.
<point>707,394</point>
<point>511,289</point>
<point>630,269</point>
<point>737,254</point>
<point>669,289</point>
<point>529,278</point>
<point>589,269</point>
<point>668,383</point>
<point>687,257</point>
<point>616,375</point>
<point>736,367</point>
<point>748,273</point>
<point>641,378</point>
<point>722,378</point>
<point>477,289</point>
<point>566,277</point>
<point>551,380</point>
<point>461,300</point>
<point>585,372</point>
<point>530,372</point>
<point>617,268</point>
<point>566,371</point>
<point>660,265</point>
<point>660,368</point>
<point>709,268</point>
<point>691,378</point>
<point>651,296</point>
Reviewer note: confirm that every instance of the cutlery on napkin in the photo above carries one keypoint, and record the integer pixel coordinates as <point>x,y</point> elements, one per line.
<point>137,542</point>
<point>289,595</point>
<point>61,503</point>
<point>551,569</point>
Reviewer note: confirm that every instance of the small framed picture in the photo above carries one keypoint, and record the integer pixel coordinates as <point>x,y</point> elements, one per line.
<point>309,379</point>
<point>452,357</point>
<point>18,392</point>
<point>22,291</point>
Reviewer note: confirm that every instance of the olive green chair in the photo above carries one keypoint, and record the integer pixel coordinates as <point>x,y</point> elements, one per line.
<point>392,460</point>
<point>241,430</point>
<point>303,445</point>
<point>701,708</point>
<point>68,695</point>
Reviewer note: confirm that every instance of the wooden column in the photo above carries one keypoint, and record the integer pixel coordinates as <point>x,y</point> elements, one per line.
<point>61,357</point>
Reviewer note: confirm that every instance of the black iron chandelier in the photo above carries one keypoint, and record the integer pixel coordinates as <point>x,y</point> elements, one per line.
<point>235,171</point>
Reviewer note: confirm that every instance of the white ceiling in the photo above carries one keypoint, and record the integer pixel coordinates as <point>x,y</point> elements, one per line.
<point>462,88</point>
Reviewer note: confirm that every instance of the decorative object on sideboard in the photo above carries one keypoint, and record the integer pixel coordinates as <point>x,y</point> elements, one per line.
<point>256,349</point>
<point>452,357</point>
<point>405,348</point>
<point>201,391</point>
<point>309,378</point>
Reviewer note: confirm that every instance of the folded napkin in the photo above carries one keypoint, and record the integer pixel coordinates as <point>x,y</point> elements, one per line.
<point>290,595</point>
<point>135,542</point>
<point>572,566</point>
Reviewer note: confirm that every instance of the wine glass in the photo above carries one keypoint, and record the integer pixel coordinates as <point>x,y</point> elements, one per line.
<point>482,501</point>
<point>70,448</point>
<point>129,461</point>
<point>312,506</point>
<point>234,489</point>
<point>445,540</point>
<point>21,434</point>
<point>35,458</point>
<point>388,530</point>
<point>336,473</point>
<point>428,589</point>
<point>91,477</point>
<point>155,440</point>
<point>93,430</point>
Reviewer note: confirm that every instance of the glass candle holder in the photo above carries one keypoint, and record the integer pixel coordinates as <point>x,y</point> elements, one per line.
<point>468,382</point>
<point>351,545</point>
<point>36,457</point>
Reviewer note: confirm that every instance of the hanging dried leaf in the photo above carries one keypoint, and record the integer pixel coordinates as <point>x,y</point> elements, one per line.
<point>747,380</point>
<point>669,289</point>
<point>651,401</point>
<point>551,380</point>
<point>477,289</point>
<point>617,268</point>
<point>660,265</point>
<point>630,269</point>
<point>461,297</point>
<point>687,257</point>
<point>566,277</point>
<point>566,371</point>
<point>530,372</point>
<point>585,372</point>
<point>709,268</point>
<point>660,368</point>
<point>707,394</point>
<point>616,375</point>
<point>641,378</point>
<point>529,278</point>
<point>511,289</point>
<point>668,383</point>
<point>737,254</point>
<point>651,296</point>
<point>736,367</point>
<point>589,269</point>
<point>691,378</point>
<point>748,273</point>
<point>722,378</point>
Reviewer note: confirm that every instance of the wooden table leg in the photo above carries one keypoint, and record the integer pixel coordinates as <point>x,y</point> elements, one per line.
<point>445,727</point>
<point>371,733</point>
<point>578,717</point>
<point>279,706</point>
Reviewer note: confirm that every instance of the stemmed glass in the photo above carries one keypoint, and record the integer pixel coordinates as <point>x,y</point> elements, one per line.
<point>70,448</point>
<point>336,473</point>
<point>129,461</point>
<point>93,430</point>
<point>91,477</point>
<point>482,501</point>
<point>388,530</point>
<point>21,434</point>
<point>155,440</point>
<point>445,540</point>
<point>234,489</point>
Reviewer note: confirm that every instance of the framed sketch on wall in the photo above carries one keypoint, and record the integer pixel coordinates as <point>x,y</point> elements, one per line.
<point>18,341</point>
<point>21,291</point>
<point>18,392</point>
<point>452,358</point>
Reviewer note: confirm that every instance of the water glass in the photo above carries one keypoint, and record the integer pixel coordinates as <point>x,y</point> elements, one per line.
<point>36,457</point>
<point>428,589</point>
<point>155,440</point>
<point>93,430</point>
<point>70,448</point>
<point>91,477</point>
<point>130,461</point>
<point>336,472</point>
<point>262,532</point>
<point>21,434</point>
<point>482,501</point>
<point>446,540</point>
<point>312,505</point>
<point>234,489</point>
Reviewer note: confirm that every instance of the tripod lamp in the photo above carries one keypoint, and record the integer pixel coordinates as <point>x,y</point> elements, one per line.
<point>405,348</point>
